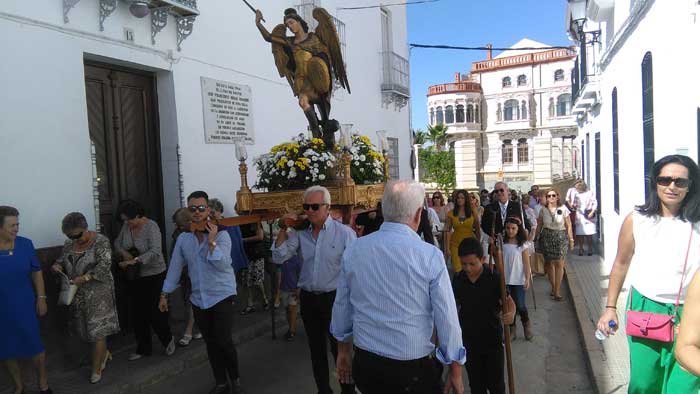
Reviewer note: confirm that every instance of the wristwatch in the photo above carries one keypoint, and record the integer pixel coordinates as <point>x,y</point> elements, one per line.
<point>212,243</point>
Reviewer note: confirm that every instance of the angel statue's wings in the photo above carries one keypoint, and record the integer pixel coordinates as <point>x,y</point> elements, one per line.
<point>327,33</point>
<point>281,55</point>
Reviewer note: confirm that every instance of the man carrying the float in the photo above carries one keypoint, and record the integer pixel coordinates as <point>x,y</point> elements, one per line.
<point>320,246</point>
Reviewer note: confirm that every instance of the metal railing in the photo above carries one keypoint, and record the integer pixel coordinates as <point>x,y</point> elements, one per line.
<point>395,73</point>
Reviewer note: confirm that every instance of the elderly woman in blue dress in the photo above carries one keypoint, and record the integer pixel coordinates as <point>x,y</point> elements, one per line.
<point>19,303</point>
<point>87,262</point>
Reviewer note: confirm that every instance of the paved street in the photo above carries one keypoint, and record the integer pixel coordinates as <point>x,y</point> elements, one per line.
<point>554,362</point>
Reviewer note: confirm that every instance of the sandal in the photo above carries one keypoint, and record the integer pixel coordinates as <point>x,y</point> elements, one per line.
<point>185,340</point>
<point>248,310</point>
<point>558,298</point>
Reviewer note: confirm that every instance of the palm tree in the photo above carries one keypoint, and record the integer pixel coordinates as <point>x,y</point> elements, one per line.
<point>419,137</point>
<point>438,136</point>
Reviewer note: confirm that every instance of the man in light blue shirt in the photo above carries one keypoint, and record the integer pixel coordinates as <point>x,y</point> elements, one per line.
<point>320,248</point>
<point>393,290</point>
<point>207,256</point>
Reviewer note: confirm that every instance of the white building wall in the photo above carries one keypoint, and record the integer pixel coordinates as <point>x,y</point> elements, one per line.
<point>45,138</point>
<point>676,99</point>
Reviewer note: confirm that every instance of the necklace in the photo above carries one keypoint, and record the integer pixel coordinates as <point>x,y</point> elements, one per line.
<point>10,250</point>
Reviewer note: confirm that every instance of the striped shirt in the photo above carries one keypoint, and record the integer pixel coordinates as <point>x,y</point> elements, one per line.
<point>320,257</point>
<point>393,290</point>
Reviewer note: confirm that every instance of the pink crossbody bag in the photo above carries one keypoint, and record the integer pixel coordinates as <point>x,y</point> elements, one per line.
<point>656,326</point>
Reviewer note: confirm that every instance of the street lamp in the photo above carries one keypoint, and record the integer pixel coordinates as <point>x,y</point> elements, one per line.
<point>139,8</point>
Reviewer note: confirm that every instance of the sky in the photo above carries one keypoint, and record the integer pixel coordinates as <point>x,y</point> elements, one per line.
<point>472,23</point>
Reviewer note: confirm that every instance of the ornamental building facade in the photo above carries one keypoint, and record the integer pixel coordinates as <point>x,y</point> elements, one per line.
<point>510,118</point>
<point>104,100</point>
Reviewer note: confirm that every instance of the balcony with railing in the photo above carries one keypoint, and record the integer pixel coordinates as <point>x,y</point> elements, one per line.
<point>455,87</point>
<point>552,55</point>
<point>395,80</point>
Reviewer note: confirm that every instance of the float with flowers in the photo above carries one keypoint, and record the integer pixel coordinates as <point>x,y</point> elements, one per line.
<point>354,172</point>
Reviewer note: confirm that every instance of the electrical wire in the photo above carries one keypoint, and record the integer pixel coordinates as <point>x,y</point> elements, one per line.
<point>482,48</point>
<point>387,5</point>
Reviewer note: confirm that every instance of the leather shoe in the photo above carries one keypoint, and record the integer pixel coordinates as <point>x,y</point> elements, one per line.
<point>221,389</point>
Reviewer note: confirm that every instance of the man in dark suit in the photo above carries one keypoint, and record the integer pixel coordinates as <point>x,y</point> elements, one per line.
<point>496,213</point>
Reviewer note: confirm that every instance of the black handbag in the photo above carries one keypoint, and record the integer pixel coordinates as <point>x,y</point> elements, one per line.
<point>133,271</point>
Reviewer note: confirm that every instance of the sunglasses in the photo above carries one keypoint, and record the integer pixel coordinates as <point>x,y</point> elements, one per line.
<point>76,236</point>
<point>551,195</point>
<point>679,182</point>
<point>500,190</point>
<point>195,208</point>
<point>314,207</point>
<point>438,197</point>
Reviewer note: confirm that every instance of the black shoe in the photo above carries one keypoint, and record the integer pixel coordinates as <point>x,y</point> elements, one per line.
<point>221,389</point>
<point>289,336</point>
<point>47,391</point>
<point>248,310</point>
<point>266,306</point>
<point>236,387</point>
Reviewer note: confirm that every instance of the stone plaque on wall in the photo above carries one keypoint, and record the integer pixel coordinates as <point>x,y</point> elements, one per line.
<point>227,112</point>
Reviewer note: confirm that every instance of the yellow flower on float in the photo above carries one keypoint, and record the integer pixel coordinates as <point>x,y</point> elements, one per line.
<point>282,163</point>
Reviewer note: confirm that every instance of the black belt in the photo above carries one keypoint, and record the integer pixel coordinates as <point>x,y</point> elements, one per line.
<point>370,355</point>
<point>318,292</point>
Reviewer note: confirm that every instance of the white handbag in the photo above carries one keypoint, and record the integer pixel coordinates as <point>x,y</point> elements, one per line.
<point>68,290</point>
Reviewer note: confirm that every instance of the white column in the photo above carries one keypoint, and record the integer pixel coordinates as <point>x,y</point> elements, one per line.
<point>416,172</point>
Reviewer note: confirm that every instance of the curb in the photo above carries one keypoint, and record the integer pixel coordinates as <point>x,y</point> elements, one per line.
<point>594,352</point>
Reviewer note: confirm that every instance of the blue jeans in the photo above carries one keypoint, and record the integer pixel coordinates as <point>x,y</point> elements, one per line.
<point>517,292</point>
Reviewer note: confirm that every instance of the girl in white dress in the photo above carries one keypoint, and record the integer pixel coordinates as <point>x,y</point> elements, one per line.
<point>516,267</point>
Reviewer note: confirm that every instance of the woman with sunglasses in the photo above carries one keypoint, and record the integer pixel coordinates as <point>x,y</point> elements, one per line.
<point>22,300</point>
<point>659,245</point>
<point>139,243</point>
<point>441,208</point>
<point>461,223</point>
<point>87,261</point>
<point>554,229</point>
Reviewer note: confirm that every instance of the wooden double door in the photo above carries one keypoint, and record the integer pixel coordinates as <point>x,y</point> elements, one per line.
<point>123,123</point>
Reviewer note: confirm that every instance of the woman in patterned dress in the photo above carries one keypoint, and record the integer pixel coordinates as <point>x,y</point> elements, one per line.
<point>553,229</point>
<point>87,261</point>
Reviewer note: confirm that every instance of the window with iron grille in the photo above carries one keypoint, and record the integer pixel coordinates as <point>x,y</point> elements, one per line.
<point>440,119</point>
<point>507,152</point>
<point>522,80</point>
<point>393,157</point>
<point>523,151</point>
<point>449,114</point>
<point>506,82</point>
<point>564,104</point>
<point>511,110</point>
<point>559,75</point>
<point>470,113</point>
<point>432,116</point>
<point>648,116</point>
<point>460,113</point>
<point>615,154</point>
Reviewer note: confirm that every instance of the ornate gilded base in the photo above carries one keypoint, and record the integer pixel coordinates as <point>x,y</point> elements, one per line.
<point>347,198</point>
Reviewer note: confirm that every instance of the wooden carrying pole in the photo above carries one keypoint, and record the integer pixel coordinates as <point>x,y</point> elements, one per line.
<point>506,327</point>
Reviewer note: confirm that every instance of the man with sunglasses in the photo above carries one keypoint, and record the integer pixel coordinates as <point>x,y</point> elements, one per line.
<point>320,247</point>
<point>494,217</point>
<point>207,256</point>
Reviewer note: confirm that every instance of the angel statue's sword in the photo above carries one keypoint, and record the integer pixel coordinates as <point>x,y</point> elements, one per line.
<point>251,8</point>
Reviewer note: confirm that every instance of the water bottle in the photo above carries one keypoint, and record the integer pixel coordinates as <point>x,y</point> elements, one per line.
<point>600,335</point>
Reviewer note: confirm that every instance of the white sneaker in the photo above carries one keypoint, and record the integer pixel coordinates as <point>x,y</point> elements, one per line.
<point>197,335</point>
<point>135,356</point>
<point>170,349</point>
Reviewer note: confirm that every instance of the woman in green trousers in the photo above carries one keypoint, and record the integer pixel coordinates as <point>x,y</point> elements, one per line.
<point>652,247</point>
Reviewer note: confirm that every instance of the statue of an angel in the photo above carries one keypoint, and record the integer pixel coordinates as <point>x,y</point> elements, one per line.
<point>309,61</point>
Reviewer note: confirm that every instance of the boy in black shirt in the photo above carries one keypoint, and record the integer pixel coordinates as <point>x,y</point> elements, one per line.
<point>478,294</point>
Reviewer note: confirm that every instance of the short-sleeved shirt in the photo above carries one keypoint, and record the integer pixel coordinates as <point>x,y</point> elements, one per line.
<point>290,274</point>
<point>479,306</point>
<point>554,220</point>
